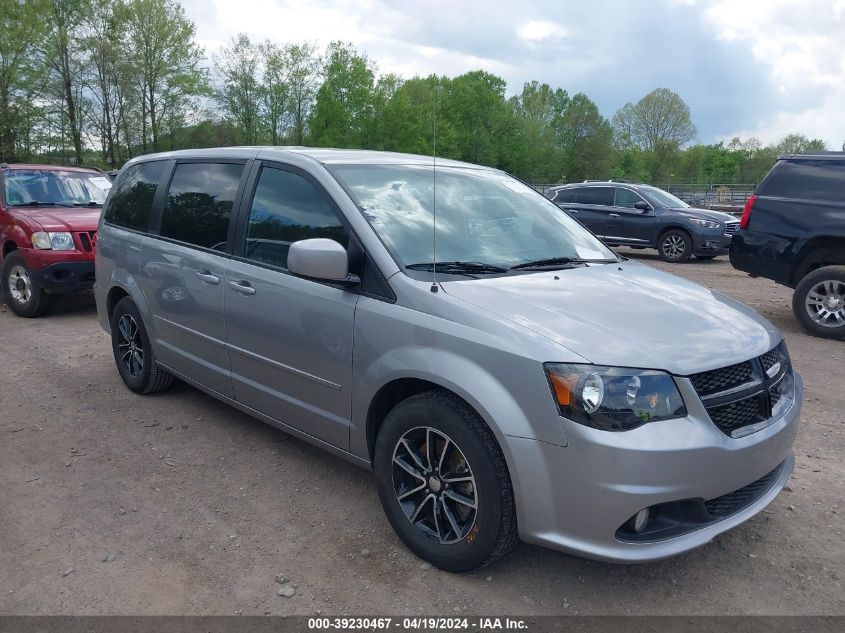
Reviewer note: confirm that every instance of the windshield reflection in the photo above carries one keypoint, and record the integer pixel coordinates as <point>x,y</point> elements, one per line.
<point>482,216</point>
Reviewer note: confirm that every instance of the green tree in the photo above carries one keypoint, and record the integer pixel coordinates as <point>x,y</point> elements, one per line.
<point>474,104</point>
<point>20,71</point>
<point>800,144</point>
<point>343,101</point>
<point>587,141</point>
<point>238,89</point>
<point>658,121</point>
<point>535,146</point>
<point>62,51</point>
<point>166,62</point>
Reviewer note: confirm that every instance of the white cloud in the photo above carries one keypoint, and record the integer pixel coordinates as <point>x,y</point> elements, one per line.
<point>802,45</point>
<point>537,30</point>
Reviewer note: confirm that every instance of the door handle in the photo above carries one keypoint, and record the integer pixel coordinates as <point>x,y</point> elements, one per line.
<point>208,278</point>
<point>243,287</point>
<point>614,215</point>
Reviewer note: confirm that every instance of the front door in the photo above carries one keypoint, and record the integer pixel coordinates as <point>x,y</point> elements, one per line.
<point>182,272</point>
<point>628,225</point>
<point>290,339</point>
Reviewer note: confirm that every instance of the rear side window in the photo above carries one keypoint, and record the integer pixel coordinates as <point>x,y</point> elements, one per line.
<point>596,195</point>
<point>287,208</point>
<point>565,195</point>
<point>132,198</point>
<point>199,203</point>
<point>807,179</point>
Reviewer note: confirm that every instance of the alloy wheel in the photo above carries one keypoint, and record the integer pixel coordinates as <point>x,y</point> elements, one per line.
<point>20,285</point>
<point>825,303</point>
<point>674,246</point>
<point>434,485</point>
<point>130,346</point>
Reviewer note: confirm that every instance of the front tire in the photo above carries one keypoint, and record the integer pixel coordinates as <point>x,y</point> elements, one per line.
<point>675,246</point>
<point>132,351</point>
<point>819,302</point>
<point>444,484</point>
<point>22,294</point>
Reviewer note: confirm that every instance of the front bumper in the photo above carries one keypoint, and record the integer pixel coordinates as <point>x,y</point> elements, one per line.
<point>64,277</point>
<point>575,499</point>
<point>715,244</point>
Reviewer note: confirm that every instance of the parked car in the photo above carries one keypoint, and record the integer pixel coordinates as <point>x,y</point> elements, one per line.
<point>487,380</point>
<point>48,232</point>
<point>642,216</point>
<point>793,232</point>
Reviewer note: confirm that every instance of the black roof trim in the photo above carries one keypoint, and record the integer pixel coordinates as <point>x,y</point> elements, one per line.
<point>814,156</point>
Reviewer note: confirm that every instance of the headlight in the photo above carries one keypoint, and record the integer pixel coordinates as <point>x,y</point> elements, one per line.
<point>614,399</point>
<point>53,241</point>
<point>707,224</point>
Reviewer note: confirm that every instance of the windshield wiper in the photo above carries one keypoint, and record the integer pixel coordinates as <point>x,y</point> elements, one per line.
<point>88,204</point>
<point>550,261</point>
<point>41,203</point>
<point>458,267</point>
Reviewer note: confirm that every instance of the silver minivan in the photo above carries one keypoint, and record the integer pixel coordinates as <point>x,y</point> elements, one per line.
<point>504,373</point>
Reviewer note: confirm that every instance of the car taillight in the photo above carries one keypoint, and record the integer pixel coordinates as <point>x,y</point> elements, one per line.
<point>746,212</point>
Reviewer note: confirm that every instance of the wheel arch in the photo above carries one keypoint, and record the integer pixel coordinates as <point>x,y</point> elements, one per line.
<point>451,373</point>
<point>819,252</point>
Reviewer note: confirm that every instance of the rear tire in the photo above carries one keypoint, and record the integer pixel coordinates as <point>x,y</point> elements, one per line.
<point>434,458</point>
<point>675,246</point>
<point>819,302</point>
<point>24,297</point>
<point>133,353</point>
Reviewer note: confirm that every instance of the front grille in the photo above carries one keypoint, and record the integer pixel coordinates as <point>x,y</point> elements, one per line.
<point>744,394</point>
<point>737,414</point>
<point>731,228</point>
<point>735,501</point>
<point>709,382</point>
<point>87,240</point>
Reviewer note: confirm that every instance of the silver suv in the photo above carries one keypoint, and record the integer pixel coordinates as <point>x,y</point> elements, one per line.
<point>503,372</point>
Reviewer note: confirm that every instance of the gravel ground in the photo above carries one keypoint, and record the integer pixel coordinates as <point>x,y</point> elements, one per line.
<point>112,503</point>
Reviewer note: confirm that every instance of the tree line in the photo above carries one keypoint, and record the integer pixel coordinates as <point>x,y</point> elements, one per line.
<point>96,82</point>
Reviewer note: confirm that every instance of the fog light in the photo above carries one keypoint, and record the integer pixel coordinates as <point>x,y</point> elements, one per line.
<point>641,520</point>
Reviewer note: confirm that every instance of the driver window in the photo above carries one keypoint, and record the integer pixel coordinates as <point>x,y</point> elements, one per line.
<point>626,198</point>
<point>287,208</point>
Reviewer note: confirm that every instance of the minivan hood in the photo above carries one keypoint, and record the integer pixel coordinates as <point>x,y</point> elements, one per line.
<point>708,214</point>
<point>626,315</point>
<point>61,218</point>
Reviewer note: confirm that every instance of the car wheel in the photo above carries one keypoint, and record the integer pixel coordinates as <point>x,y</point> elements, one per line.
<point>819,302</point>
<point>133,354</point>
<point>22,294</point>
<point>444,484</point>
<point>675,246</point>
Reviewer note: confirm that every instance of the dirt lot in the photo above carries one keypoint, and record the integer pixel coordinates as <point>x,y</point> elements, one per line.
<point>111,503</point>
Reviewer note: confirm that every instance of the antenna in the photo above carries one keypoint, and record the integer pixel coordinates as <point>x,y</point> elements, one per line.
<point>434,200</point>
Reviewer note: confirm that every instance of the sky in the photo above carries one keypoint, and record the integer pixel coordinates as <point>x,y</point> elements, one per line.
<point>763,68</point>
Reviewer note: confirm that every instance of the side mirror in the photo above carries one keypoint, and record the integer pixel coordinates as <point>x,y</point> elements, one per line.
<point>320,258</point>
<point>642,205</point>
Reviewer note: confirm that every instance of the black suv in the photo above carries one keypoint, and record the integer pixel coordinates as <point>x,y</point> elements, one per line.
<point>642,216</point>
<point>793,232</point>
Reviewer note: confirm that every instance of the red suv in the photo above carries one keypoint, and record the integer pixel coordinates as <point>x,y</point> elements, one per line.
<point>48,232</point>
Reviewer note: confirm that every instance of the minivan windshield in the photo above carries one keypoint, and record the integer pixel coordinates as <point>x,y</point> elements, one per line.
<point>660,198</point>
<point>487,222</point>
<point>39,187</point>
